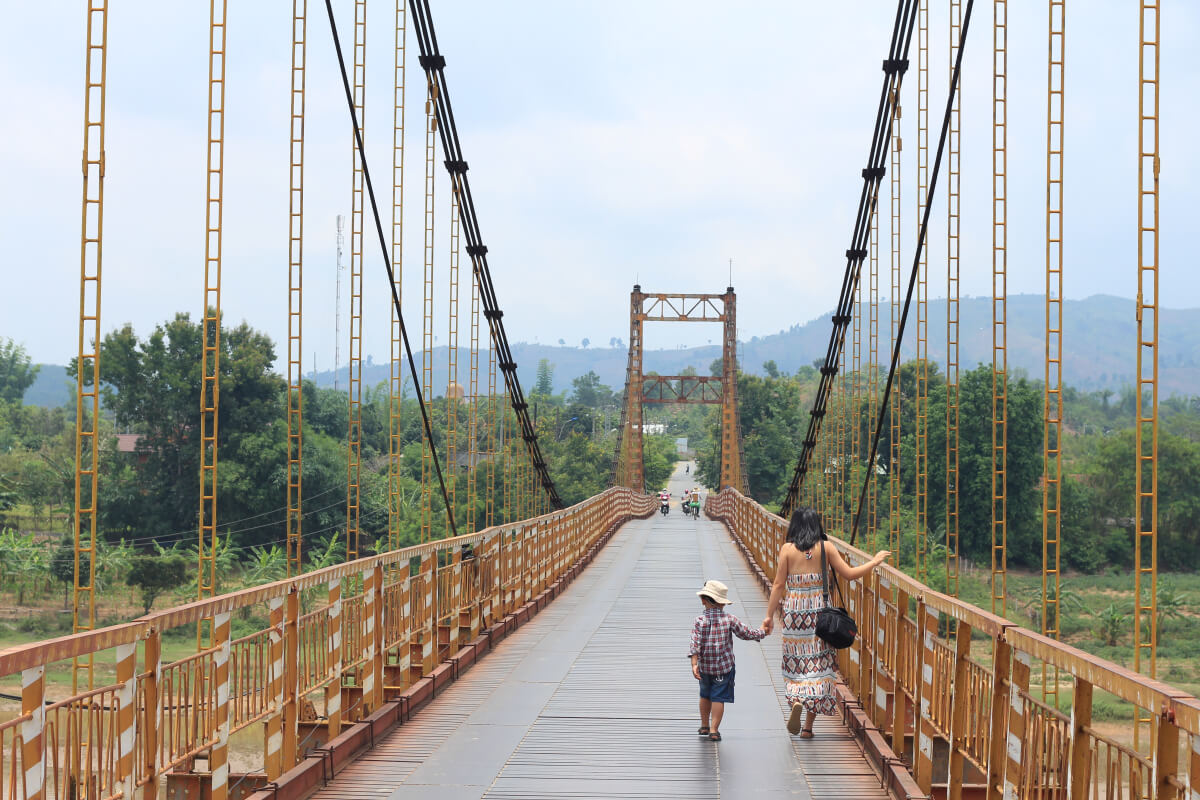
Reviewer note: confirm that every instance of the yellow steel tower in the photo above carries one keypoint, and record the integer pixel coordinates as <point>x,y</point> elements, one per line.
<point>473,408</point>
<point>87,377</point>
<point>922,454</point>
<point>1145,618</point>
<point>210,359</point>
<point>894,405</point>
<point>1053,405</point>
<point>295,399</point>
<point>952,267</point>
<point>489,518</point>
<point>453,390</point>
<point>354,368</point>
<point>426,388</point>
<point>396,378</point>
<point>872,367</point>
<point>1000,308</point>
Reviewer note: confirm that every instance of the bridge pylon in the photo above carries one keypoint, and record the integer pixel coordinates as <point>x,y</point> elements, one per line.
<point>642,389</point>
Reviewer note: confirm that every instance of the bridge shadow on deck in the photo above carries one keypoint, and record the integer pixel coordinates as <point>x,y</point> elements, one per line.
<point>594,697</point>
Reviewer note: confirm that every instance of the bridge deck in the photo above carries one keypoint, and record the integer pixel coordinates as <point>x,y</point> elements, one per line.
<point>594,698</point>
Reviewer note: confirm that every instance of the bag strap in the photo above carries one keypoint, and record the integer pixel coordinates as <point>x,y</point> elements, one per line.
<point>825,580</point>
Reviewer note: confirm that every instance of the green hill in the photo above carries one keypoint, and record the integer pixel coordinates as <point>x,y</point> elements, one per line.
<point>1099,339</point>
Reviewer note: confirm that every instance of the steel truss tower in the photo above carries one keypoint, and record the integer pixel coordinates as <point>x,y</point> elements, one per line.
<point>641,390</point>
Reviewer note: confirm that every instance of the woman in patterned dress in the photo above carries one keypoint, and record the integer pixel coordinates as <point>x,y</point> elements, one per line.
<point>808,663</point>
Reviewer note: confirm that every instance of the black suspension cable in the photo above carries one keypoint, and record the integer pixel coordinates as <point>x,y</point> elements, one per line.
<point>387,263</point>
<point>434,64</point>
<point>894,67</point>
<point>912,278</point>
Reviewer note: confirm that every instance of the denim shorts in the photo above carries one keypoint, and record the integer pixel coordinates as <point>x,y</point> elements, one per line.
<point>717,688</point>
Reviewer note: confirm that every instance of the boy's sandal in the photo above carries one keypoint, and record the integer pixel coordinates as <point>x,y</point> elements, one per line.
<point>714,737</point>
<point>703,731</point>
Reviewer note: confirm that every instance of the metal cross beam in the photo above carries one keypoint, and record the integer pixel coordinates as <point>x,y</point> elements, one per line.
<point>685,389</point>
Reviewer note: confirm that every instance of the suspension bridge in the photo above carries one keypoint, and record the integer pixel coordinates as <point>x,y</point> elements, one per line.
<point>534,650</point>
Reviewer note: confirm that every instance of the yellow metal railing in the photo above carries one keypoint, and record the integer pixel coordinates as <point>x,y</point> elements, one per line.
<point>976,724</point>
<point>347,655</point>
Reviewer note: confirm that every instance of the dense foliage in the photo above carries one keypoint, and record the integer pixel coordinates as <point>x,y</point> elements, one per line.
<point>1098,464</point>
<point>149,485</point>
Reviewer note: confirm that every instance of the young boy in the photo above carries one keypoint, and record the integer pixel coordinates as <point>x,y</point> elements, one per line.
<point>712,655</point>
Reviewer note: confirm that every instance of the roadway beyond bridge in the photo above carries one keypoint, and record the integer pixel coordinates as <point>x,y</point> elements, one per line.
<point>594,697</point>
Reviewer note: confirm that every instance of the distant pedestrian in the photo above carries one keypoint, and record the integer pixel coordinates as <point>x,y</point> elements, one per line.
<point>712,655</point>
<point>808,662</point>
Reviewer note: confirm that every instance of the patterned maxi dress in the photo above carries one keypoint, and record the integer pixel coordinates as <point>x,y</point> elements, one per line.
<point>808,663</point>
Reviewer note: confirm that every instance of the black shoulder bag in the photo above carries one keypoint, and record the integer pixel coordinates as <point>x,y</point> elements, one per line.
<point>835,626</point>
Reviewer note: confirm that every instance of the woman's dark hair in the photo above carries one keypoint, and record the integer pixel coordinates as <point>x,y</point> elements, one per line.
<point>805,529</point>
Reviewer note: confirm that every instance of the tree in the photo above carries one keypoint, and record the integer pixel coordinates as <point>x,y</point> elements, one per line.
<point>1111,624</point>
<point>153,575</point>
<point>562,342</point>
<point>586,341</point>
<point>23,562</point>
<point>590,392</point>
<point>152,387</point>
<point>545,378</point>
<point>771,368</point>
<point>62,566</point>
<point>17,373</point>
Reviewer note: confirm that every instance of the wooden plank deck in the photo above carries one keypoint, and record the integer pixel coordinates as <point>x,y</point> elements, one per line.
<point>594,698</point>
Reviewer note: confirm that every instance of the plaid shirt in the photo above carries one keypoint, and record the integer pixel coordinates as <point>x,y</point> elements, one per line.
<point>712,640</point>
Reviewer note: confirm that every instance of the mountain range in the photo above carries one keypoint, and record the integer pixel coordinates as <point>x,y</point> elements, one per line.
<point>1099,345</point>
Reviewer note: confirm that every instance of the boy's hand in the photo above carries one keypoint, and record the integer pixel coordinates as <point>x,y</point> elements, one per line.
<point>696,671</point>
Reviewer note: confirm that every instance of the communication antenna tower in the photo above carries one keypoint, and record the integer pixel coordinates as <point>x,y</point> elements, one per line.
<point>337,315</point>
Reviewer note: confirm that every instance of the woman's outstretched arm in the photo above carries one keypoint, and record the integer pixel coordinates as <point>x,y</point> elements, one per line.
<point>777,588</point>
<point>846,571</point>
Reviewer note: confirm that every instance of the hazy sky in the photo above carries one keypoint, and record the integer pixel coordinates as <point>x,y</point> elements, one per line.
<point>607,143</point>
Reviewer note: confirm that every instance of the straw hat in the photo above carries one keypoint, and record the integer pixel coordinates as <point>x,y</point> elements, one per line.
<point>715,591</point>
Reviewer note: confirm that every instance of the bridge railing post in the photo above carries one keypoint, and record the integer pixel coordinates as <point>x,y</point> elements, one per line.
<point>151,711</point>
<point>33,752</point>
<point>374,656</point>
<point>998,733</point>
<point>1018,685</point>
<point>219,757</point>
<point>333,690</point>
<point>448,624</point>
<point>960,697</point>
<point>900,658</point>
<point>853,671</point>
<point>870,643</point>
<point>428,630</point>
<point>1166,758</point>
<point>1081,754</point>
<point>273,740</point>
<point>126,716</point>
<point>923,728</point>
<point>291,678</point>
